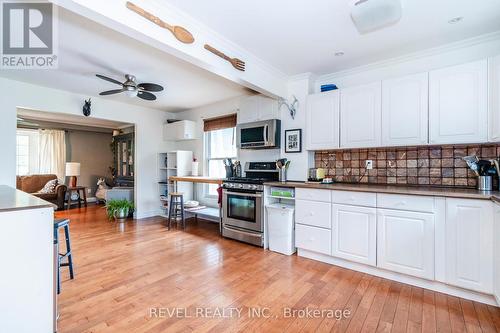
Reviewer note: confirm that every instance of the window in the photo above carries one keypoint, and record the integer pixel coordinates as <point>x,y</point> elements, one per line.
<point>26,152</point>
<point>220,144</point>
<point>23,154</point>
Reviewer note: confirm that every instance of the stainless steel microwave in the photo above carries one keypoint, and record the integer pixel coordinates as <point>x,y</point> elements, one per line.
<point>264,134</point>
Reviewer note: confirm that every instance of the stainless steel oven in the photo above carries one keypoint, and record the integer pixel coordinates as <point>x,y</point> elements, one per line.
<point>243,209</point>
<point>243,204</point>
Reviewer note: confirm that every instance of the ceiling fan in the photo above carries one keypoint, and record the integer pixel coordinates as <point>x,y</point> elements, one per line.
<point>132,88</point>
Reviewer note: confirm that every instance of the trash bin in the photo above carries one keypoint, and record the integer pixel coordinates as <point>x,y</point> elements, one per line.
<point>280,227</point>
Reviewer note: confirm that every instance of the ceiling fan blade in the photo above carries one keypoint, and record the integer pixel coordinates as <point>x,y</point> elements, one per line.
<point>150,86</point>
<point>146,95</point>
<point>111,92</point>
<point>108,79</point>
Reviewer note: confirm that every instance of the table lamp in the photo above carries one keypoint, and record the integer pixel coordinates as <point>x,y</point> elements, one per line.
<point>72,170</point>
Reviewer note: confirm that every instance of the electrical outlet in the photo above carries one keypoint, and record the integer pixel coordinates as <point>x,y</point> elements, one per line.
<point>369,164</point>
<point>89,190</point>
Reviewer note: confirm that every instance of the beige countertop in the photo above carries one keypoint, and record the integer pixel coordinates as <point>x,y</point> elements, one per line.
<point>397,189</point>
<point>12,199</point>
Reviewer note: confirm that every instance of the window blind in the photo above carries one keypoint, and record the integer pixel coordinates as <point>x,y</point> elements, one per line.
<point>217,123</point>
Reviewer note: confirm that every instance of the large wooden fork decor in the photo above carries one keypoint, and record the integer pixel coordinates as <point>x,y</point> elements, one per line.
<point>182,34</point>
<point>237,63</point>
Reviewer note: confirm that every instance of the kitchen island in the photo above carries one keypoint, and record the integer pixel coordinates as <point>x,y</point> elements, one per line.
<point>27,256</point>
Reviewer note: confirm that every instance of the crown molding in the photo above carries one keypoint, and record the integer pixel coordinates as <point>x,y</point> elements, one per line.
<point>302,76</point>
<point>490,37</point>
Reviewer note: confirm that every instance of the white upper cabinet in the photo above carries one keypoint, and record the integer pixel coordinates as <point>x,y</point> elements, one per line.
<point>179,130</point>
<point>322,121</point>
<point>360,116</point>
<point>354,233</point>
<point>405,242</point>
<point>405,110</point>
<point>494,95</point>
<point>268,109</point>
<point>256,108</point>
<point>458,104</point>
<point>469,244</point>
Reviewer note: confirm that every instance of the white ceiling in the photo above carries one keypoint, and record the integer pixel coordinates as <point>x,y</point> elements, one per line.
<point>86,48</point>
<point>298,36</point>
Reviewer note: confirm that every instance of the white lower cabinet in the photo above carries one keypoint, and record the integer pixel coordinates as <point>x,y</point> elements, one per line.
<point>469,244</point>
<point>313,213</point>
<point>496,253</point>
<point>455,242</point>
<point>313,239</point>
<point>405,242</point>
<point>354,233</point>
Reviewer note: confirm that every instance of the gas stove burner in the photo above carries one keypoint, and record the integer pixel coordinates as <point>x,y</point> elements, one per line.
<point>241,185</point>
<point>246,180</point>
<point>257,173</point>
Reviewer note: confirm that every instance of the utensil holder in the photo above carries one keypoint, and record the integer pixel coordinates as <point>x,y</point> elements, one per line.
<point>485,183</point>
<point>282,175</point>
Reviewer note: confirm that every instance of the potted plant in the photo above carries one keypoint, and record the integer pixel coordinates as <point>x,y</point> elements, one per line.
<point>118,209</point>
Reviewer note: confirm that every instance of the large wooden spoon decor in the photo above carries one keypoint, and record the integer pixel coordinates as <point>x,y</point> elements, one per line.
<point>182,34</point>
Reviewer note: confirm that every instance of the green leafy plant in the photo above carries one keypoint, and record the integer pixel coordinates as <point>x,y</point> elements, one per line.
<point>114,206</point>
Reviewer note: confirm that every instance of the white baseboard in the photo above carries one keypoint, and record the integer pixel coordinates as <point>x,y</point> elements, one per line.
<point>144,215</point>
<point>414,281</point>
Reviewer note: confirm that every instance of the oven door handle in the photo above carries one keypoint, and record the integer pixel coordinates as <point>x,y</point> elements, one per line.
<point>251,234</point>
<point>244,194</point>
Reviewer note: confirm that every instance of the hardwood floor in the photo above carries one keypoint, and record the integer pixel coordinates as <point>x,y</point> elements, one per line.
<point>125,272</point>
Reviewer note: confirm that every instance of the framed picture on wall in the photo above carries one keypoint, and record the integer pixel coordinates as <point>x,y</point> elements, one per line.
<point>293,141</point>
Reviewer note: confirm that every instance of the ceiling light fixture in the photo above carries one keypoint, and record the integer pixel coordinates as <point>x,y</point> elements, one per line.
<point>371,15</point>
<point>456,20</point>
<point>339,54</point>
<point>131,93</point>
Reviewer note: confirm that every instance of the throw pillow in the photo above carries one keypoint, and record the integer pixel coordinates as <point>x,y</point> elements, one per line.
<point>50,187</point>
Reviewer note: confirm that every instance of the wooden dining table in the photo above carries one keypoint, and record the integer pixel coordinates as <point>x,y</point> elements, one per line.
<point>196,179</point>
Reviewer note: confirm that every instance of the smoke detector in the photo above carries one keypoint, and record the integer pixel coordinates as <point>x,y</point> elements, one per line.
<point>371,15</point>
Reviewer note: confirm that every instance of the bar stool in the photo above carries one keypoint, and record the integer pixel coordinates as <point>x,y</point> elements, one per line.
<point>176,208</point>
<point>63,223</point>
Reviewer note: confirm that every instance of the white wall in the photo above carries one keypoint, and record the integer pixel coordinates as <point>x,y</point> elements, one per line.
<point>299,86</point>
<point>215,110</point>
<point>14,94</point>
<point>210,111</point>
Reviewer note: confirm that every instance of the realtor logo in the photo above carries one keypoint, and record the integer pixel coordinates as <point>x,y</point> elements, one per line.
<point>28,35</point>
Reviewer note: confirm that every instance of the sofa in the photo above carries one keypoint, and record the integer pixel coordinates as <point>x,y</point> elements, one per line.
<point>34,183</point>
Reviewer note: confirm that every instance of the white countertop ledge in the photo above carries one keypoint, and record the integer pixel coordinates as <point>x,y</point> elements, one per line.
<point>12,199</point>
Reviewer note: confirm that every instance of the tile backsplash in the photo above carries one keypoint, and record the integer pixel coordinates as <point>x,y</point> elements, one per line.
<point>430,165</point>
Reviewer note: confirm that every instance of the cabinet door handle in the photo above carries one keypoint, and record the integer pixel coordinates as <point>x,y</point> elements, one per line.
<point>401,203</point>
